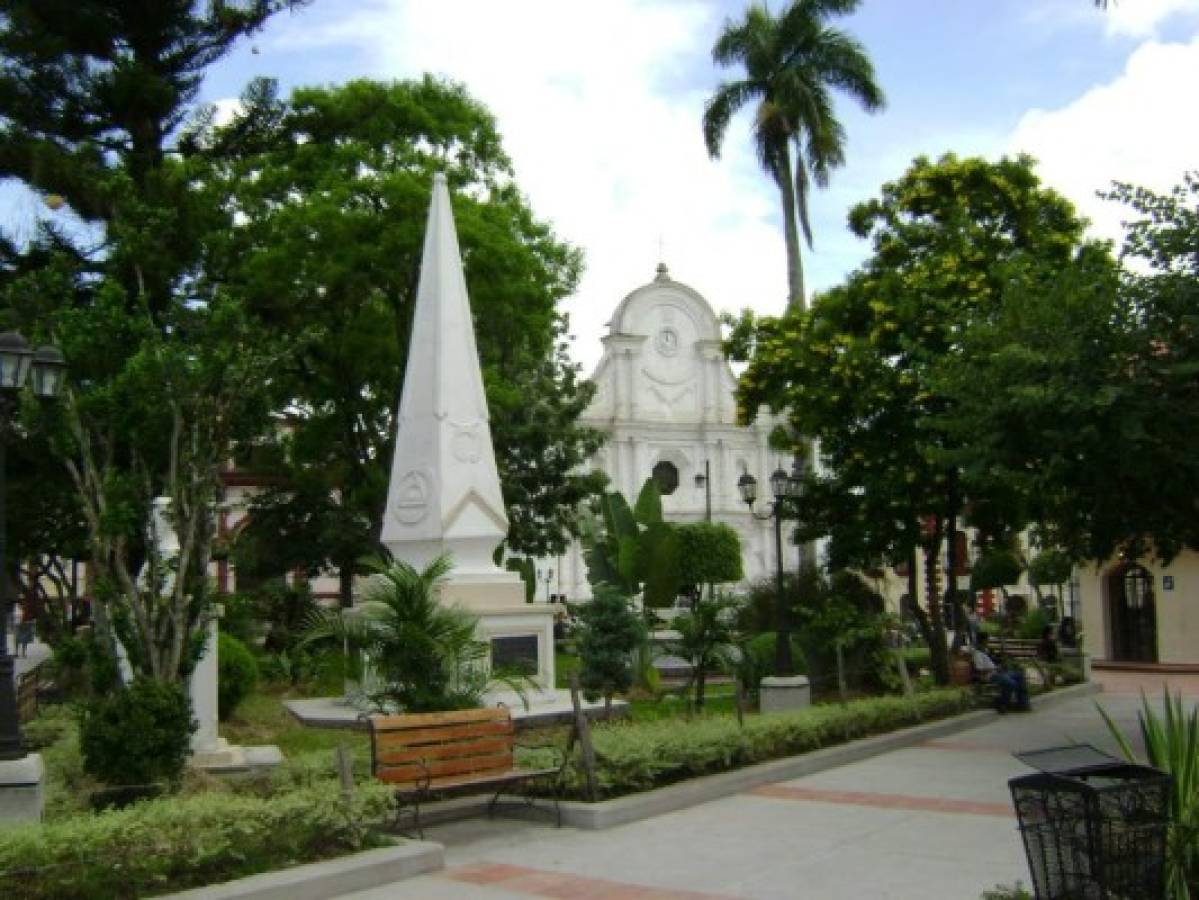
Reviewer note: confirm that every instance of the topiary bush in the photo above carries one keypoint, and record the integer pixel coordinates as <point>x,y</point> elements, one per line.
<point>237,674</point>
<point>139,735</point>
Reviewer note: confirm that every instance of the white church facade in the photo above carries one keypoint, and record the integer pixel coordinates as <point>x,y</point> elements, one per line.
<point>665,399</point>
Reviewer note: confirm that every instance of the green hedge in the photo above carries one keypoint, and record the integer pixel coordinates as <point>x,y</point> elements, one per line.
<point>181,842</point>
<point>637,756</point>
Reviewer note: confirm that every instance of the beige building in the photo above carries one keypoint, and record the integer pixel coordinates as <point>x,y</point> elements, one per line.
<point>1141,612</point>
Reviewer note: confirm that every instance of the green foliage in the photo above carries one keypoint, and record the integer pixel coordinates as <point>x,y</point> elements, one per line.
<point>237,673</point>
<point>165,846</point>
<point>707,639</point>
<point>995,569</point>
<point>1171,742</point>
<point>186,370</point>
<point>841,610</point>
<point>709,553</point>
<point>139,735</point>
<point>1034,623</point>
<point>608,633</point>
<point>424,652</point>
<point>633,549</point>
<point>332,186</point>
<point>794,60</point>
<point>637,756</point>
<point>527,569</point>
<point>1049,568</point>
<point>874,369</point>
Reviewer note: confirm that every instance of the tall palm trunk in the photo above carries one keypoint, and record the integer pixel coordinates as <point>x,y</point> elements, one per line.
<point>784,177</point>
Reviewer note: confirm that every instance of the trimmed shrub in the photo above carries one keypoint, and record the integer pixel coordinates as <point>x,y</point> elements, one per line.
<point>138,735</point>
<point>637,756</point>
<point>237,674</point>
<point>165,846</point>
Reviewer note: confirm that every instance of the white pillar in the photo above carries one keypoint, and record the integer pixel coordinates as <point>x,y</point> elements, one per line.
<point>203,690</point>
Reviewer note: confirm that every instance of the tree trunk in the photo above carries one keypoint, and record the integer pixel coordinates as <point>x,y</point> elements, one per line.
<point>938,652</point>
<point>786,181</point>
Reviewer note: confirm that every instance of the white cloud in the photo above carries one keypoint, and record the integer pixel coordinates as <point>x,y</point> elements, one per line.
<point>1137,19</point>
<point>1142,18</point>
<point>1138,128</point>
<point>606,144</point>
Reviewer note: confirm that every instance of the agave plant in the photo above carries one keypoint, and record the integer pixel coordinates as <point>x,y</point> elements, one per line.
<point>425,653</point>
<point>1172,745</point>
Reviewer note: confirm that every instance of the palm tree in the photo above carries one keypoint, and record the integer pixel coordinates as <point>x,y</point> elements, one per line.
<point>792,63</point>
<point>426,654</point>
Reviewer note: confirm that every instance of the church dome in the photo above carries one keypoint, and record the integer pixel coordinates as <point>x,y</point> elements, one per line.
<point>668,311</point>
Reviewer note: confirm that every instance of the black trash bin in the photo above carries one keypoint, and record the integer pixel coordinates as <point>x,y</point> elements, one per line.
<point>1094,826</point>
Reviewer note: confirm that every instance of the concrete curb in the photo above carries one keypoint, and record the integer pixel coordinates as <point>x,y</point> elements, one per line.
<point>634,807</point>
<point>330,878</point>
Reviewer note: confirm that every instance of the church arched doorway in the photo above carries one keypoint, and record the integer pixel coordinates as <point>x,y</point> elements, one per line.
<point>1132,614</point>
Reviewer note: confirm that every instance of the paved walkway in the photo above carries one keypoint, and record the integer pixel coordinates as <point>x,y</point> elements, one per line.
<point>931,822</point>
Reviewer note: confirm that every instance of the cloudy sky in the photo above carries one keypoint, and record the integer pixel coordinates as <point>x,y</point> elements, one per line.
<point>599,104</point>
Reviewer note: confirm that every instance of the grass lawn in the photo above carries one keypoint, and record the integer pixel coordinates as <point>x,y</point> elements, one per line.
<point>261,718</point>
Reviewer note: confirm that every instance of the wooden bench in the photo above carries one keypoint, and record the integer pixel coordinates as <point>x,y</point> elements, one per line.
<point>465,751</point>
<point>1006,651</point>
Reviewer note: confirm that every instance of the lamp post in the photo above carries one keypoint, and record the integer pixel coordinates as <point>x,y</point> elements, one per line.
<point>549,576</point>
<point>704,480</point>
<point>43,369</point>
<point>784,488</point>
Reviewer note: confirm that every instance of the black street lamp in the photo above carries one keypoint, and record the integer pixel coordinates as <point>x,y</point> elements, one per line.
<point>785,489</point>
<point>43,369</point>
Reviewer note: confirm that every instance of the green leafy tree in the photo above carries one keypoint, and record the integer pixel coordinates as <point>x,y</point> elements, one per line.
<point>707,640</point>
<point>709,553</point>
<point>793,63</point>
<point>331,188</point>
<point>863,370</point>
<point>609,632</point>
<point>167,367</point>
<point>1084,388</point>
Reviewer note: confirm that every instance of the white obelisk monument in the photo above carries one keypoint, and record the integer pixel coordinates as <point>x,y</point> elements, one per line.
<point>444,495</point>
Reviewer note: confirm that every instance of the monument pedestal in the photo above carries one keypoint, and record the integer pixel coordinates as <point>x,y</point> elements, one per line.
<point>22,789</point>
<point>518,633</point>
<point>783,694</point>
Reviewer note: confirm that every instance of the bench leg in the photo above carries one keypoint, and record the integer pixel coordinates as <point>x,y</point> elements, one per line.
<point>400,805</point>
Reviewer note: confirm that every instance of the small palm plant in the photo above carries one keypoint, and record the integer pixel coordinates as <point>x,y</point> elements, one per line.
<point>425,653</point>
<point>707,640</point>
<point>1172,745</point>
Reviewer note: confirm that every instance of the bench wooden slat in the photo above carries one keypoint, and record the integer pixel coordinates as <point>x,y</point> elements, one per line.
<point>485,746</point>
<point>422,720</point>
<point>452,782</point>
<point>418,736</point>
<point>469,765</point>
<point>424,753</point>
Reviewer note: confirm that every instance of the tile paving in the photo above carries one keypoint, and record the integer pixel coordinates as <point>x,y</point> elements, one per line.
<point>928,822</point>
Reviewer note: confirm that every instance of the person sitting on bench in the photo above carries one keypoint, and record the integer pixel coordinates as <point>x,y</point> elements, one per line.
<point>1009,681</point>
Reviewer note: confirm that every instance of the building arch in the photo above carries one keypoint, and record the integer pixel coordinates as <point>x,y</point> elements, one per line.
<point>1131,613</point>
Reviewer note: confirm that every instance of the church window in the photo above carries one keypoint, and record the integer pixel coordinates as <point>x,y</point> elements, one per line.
<point>667,477</point>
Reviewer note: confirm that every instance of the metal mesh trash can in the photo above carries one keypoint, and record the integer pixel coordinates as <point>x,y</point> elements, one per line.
<point>1095,830</point>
